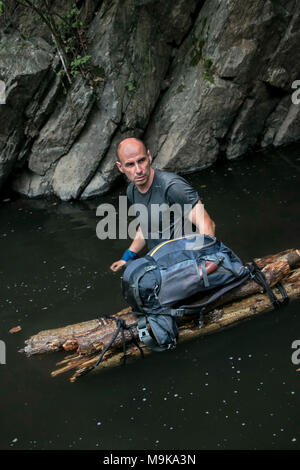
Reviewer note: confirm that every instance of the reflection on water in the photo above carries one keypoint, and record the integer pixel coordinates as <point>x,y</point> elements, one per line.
<point>236,389</point>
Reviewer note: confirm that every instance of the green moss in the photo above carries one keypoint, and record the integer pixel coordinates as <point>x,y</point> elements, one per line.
<point>130,86</point>
<point>208,64</point>
<point>208,73</point>
<point>197,52</point>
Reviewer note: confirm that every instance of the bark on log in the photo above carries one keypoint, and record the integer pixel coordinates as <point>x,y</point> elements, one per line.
<point>90,338</point>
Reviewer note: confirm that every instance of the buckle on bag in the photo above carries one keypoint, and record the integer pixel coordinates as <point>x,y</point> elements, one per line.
<point>142,328</point>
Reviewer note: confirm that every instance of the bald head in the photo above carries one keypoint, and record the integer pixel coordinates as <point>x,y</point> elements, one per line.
<point>130,147</point>
<point>134,161</point>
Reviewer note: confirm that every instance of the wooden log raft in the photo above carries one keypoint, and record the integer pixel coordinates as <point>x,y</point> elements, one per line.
<point>90,338</point>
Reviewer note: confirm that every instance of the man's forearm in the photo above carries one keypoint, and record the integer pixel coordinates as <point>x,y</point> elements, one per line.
<point>200,218</point>
<point>138,243</point>
<point>209,227</point>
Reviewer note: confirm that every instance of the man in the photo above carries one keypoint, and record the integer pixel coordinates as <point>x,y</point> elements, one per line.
<point>151,187</point>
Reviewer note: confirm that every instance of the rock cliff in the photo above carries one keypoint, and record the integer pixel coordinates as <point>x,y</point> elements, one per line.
<point>197,80</point>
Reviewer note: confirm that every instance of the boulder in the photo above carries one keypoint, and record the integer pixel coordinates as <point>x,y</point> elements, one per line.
<point>74,170</point>
<point>22,79</point>
<point>32,185</point>
<point>227,79</point>
<point>289,130</point>
<point>62,128</point>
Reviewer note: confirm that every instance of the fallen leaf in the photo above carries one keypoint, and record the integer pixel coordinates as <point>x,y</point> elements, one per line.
<point>15,329</point>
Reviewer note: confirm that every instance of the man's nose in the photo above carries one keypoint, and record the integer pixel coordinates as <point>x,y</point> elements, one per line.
<point>138,168</point>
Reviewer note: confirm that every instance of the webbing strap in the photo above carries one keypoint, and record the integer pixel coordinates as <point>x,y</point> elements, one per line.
<point>204,274</point>
<point>285,299</point>
<point>185,309</point>
<point>258,276</point>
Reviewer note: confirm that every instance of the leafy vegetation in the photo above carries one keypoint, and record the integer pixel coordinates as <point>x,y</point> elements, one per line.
<point>208,73</point>
<point>130,86</point>
<point>67,31</point>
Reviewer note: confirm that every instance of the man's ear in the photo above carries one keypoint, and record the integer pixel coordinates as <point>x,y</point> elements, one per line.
<point>119,166</point>
<point>150,156</point>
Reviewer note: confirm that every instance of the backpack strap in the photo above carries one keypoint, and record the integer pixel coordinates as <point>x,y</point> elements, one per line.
<point>285,299</point>
<point>201,308</point>
<point>255,273</point>
<point>204,274</point>
<point>135,285</point>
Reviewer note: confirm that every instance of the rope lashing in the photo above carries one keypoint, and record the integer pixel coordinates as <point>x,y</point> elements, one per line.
<point>121,327</point>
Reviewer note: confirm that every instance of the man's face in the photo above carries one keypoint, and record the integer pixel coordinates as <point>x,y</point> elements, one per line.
<point>136,165</point>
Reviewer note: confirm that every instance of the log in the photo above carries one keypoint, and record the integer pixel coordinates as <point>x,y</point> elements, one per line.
<point>215,321</point>
<point>85,335</point>
<point>78,336</point>
<point>90,338</point>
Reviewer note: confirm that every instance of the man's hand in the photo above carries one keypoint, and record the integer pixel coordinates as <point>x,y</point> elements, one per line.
<point>117,265</point>
<point>136,246</point>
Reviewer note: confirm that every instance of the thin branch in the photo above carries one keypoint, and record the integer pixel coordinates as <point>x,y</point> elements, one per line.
<point>62,59</point>
<point>55,36</point>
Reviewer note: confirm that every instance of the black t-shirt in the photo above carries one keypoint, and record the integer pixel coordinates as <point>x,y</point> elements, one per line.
<point>164,207</point>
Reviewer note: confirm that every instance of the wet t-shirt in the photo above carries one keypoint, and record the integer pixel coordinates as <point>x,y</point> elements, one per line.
<point>163,208</point>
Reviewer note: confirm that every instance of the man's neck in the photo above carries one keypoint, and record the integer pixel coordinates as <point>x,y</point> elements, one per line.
<point>147,186</point>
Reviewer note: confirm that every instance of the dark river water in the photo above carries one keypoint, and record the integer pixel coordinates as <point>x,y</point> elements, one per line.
<point>237,389</point>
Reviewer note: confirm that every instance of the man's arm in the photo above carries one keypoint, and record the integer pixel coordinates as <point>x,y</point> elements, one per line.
<point>181,192</point>
<point>200,218</point>
<point>136,246</point>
